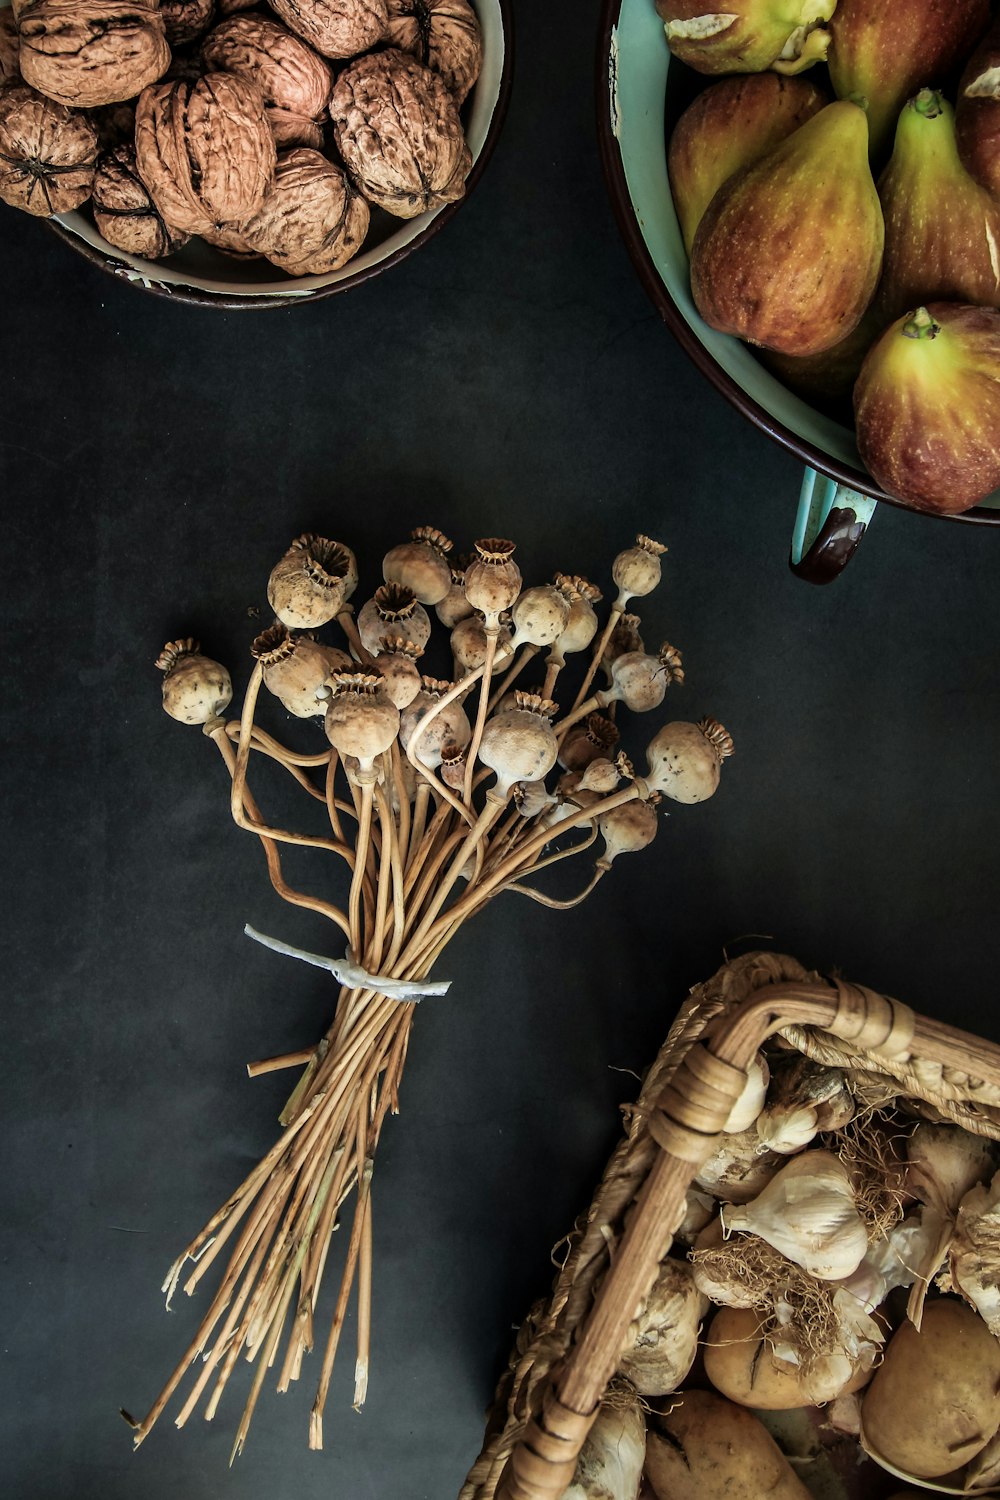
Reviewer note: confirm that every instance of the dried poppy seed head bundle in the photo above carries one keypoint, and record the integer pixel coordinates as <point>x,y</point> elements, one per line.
<point>296,668</point>
<point>397,661</point>
<point>312,582</point>
<point>196,690</point>
<point>421,564</point>
<point>361,720</point>
<point>393,610</point>
<point>636,571</point>
<point>493,579</point>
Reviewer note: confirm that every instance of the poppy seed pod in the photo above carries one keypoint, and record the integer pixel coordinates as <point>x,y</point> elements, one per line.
<point>421,564</point>
<point>532,798</point>
<point>685,760</point>
<point>454,607</point>
<point>361,721</point>
<point>397,661</point>
<point>296,667</point>
<point>639,681</point>
<point>520,745</point>
<point>196,689</point>
<point>393,610</point>
<point>468,645</point>
<point>636,571</point>
<point>492,578</point>
<point>453,765</point>
<point>312,582</point>
<point>450,725</point>
<point>600,776</point>
<point>624,637</point>
<point>539,616</point>
<point>594,736</point>
<point>581,622</point>
<point>628,828</point>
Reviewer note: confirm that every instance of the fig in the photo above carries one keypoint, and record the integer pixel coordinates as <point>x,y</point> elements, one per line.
<point>884,52</point>
<point>730,125</point>
<point>977,114</point>
<point>748,35</point>
<point>942,230</point>
<point>789,250</point>
<point>927,407</point>
<point>827,379</point>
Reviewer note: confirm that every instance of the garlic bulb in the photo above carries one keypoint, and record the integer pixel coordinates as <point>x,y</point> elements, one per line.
<point>751,1101</point>
<point>611,1459</point>
<point>312,582</point>
<point>857,1345</point>
<point>974,1253</point>
<point>805,1098</point>
<point>421,564</point>
<point>636,571</point>
<point>196,690</point>
<point>739,1168</point>
<point>665,1334</point>
<point>807,1211</point>
<point>890,1261</point>
<point>944,1163</point>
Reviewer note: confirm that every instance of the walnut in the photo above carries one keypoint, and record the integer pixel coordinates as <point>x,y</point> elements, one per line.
<point>442,34</point>
<point>398,131</point>
<point>9,45</point>
<point>230,239</point>
<point>312,220</point>
<point>125,213</point>
<point>48,153</point>
<point>337,28</point>
<point>186,19</point>
<point>90,52</point>
<point>295,82</point>
<point>204,150</point>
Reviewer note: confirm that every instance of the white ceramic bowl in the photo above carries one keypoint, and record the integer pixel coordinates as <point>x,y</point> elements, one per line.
<point>198,273</point>
<point>637,87</point>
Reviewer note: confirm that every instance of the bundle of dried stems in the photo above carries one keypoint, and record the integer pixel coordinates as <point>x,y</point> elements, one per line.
<point>403,780</point>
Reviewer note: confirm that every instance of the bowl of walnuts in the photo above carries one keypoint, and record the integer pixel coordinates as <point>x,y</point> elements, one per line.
<point>239,155</point>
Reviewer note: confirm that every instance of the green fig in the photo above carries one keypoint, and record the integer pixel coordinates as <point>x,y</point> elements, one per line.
<point>884,50</point>
<point>748,35</point>
<point>927,407</point>
<point>789,250</point>
<point>977,114</point>
<point>942,230</point>
<point>731,124</point>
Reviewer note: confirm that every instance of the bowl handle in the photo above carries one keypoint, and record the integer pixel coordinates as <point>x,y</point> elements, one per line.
<point>829,525</point>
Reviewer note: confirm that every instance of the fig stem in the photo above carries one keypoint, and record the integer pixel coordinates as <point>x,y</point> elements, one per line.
<point>920,325</point>
<point>928,103</point>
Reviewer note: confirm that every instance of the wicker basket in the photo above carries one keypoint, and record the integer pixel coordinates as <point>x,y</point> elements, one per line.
<point>569,1348</point>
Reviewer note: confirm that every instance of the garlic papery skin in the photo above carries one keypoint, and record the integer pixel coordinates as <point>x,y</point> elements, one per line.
<point>421,564</point>
<point>393,610</point>
<point>685,760</point>
<point>448,724</point>
<point>312,582</point>
<point>196,690</point>
<point>804,1099</point>
<point>808,1212</point>
<point>859,1341</point>
<point>944,1163</point>
<point>751,1101</point>
<point>520,745</point>
<point>637,570</point>
<point>296,668</point>
<point>664,1336</point>
<point>699,1211</point>
<point>612,1457</point>
<point>890,1262</point>
<point>739,1168</point>
<point>974,1253</point>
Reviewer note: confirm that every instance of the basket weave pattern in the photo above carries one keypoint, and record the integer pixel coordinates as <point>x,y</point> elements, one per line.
<point>569,1346</point>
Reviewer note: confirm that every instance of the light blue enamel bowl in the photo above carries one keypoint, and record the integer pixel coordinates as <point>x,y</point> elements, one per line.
<point>838,497</point>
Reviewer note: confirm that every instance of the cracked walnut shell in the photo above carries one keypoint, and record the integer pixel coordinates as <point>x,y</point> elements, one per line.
<point>48,153</point>
<point>398,131</point>
<point>83,53</point>
<point>204,150</point>
<point>125,213</point>
<point>295,82</point>
<point>337,28</point>
<point>312,220</point>
<point>442,34</point>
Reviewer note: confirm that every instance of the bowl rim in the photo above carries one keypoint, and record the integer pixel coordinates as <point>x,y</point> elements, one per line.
<point>613,170</point>
<point>240,301</point>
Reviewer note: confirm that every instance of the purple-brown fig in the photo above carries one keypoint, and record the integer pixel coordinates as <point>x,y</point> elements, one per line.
<point>977,114</point>
<point>942,230</point>
<point>789,250</point>
<point>748,35</point>
<point>885,51</point>
<point>730,125</point>
<point>927,407</point>
<point>827,379</point>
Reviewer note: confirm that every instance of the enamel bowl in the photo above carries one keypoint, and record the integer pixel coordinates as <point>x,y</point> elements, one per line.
<point>200,274</point>
<point>641,91</point>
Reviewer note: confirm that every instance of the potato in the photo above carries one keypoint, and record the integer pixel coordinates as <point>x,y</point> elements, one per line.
<point>705,1448</point>
<point>740,1364</point>
<point>935,1402</point>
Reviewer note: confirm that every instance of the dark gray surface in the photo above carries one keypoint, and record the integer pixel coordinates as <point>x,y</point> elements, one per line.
<point>154,461</point>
